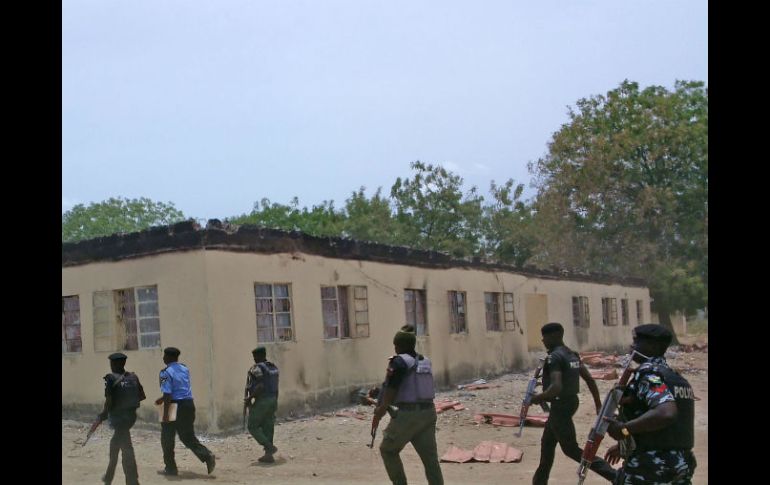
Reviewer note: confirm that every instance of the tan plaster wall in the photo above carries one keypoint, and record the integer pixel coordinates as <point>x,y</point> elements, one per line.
<point>207,309</point>
<point>184,318</point>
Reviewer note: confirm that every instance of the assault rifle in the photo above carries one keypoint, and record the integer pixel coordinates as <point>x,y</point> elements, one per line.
<point>528,398</point>
<point>599,429</point>
<point>92,429</point>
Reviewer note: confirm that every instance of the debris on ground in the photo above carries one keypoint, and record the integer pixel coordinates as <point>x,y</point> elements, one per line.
<point>604,375</point>
<point>442,406</point>
<point>350,414</point>
<point>474,387</point>
<point>486,451</point>
<point>366,397</point>
<point>536,420</point>
<point>477,382</point>
<point>599,359</point>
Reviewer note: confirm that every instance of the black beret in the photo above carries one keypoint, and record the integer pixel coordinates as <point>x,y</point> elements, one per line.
<point>172,351</point>
<point>653,331</point>
<point>551,328</point>
<point>117,356</point>
<point>260,350</point>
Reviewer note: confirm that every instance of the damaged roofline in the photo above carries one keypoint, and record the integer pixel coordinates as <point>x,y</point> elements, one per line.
<point>189,236</point>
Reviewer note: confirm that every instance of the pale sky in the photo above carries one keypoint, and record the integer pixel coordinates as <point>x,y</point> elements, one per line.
<point>215,105</point>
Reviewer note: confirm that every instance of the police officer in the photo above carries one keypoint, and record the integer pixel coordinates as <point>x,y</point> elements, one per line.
<point>657,411</point>
<point>261,397</point>
<point>409,385</point>
<point>175,386</point>
<point>122,392</point>
<point>561,384</point>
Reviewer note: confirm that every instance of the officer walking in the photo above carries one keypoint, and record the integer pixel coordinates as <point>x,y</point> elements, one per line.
<point>261,396</point>
<point>409,385</point>
<point>561,384</point>
<point>657,416</point>
<point>175,386</point>
<point>122,392</point>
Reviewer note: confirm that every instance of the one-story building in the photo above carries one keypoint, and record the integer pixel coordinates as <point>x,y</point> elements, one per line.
<point>326,308</point>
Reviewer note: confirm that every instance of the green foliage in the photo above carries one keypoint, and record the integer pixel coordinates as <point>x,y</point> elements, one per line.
<point>434,213</point>
<point>116,215</point>
<point>624,189</point>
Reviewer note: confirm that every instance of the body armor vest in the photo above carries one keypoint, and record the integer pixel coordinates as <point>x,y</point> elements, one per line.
<point>417,385</point>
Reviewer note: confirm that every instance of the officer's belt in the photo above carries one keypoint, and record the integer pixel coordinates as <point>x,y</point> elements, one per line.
<point>414,406</point>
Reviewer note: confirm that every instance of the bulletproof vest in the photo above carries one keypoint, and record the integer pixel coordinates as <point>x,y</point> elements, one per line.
<point>270,378</point>
<point>680,435</point>
<point>417,385</point>
<point>570,373</point>
<point>125,395</point>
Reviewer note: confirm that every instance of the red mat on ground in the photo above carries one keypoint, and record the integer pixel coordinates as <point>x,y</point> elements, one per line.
<point>604,375</point>
<point>442,406</point>
<point>536,420</point>
<point>486,451</point>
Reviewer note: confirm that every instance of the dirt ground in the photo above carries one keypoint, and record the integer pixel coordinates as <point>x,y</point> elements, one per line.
<point>328,449</point>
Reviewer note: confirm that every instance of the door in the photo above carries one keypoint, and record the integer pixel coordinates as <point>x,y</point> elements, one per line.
<point>536,307</point>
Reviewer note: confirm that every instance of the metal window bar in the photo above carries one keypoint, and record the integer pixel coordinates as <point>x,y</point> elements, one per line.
<point>509,315</point>
<point>361,309</point>
<point>624,311</point>
<point>71,339</point>
<point>491,302</point>
<point>330,309</point>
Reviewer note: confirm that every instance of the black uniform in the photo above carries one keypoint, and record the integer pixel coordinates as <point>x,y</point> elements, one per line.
<point>125,392</point>
<point>663,456</point>
<point>559,428</point>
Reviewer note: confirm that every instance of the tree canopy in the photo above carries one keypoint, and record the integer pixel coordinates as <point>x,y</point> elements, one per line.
<point>623,189</point>
<point>116,215</point>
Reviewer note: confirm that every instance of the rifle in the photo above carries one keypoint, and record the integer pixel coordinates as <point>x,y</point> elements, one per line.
<point>92,429</point>
<point>599,429</point>
<point>528,398</point>
<point>376,424</point>
<point>245,407</point>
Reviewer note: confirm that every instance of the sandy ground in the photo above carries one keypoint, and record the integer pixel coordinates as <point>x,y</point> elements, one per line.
<point>327,449</point>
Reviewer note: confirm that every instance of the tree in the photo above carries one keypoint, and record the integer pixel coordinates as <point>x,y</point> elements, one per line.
<point>319,220</point>
<point>371,219</point>
<point>509,235</point>
<point>624,189</point>
<point>116,215</point>
<point>434,213</point>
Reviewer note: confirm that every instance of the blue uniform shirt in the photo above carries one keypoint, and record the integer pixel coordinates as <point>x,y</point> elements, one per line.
<point>175,380</point>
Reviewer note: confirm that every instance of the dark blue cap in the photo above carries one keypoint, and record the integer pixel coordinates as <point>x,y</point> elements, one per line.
<point>655,332</point>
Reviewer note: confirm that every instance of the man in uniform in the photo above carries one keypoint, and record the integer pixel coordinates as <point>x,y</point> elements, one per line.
<point>261,397</point>
<point>561,384</point>
<point>657,411</point>
<point>122,392</point>
<point>175,386</point>
<point>409,385</point>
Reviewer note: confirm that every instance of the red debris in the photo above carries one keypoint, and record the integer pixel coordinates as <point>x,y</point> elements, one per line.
<point>474,387</point>
<point>486,451</point>
<point>442,406</point>
<point>597,361</point>
<point>604,375</point>
<point>536,420</point>
<point>350,414</point>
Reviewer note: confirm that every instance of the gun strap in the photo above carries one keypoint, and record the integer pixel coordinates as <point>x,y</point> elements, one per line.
<point>117,381</point>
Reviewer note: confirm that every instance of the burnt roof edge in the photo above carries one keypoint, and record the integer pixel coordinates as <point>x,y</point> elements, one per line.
<point>188,236</point>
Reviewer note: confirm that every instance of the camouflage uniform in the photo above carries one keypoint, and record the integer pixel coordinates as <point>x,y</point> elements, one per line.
<point>647,465</point>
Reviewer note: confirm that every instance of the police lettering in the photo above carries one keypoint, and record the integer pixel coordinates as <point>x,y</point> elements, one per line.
<point>681,392</point>
<point>574,365</point>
